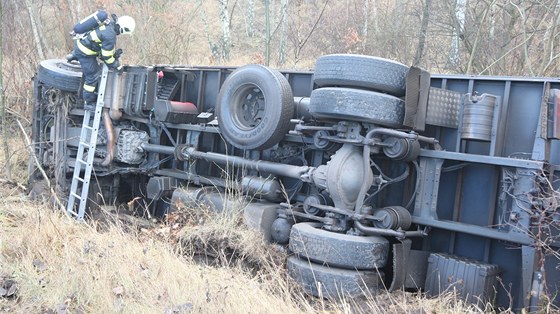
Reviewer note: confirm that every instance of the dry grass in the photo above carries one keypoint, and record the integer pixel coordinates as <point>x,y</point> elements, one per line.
<point>54,261</point>
<point>57,263</point>
<point>197,261</point>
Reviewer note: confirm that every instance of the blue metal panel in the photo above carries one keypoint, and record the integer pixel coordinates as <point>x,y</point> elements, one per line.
<point>467,197</point>
<point>522,118</point>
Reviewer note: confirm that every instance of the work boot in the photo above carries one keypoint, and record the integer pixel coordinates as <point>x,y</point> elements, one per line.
<point>89,106</point>
<point>71,57</point>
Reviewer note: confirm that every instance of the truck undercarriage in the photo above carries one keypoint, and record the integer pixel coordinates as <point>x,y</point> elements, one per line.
<point>371,172</point>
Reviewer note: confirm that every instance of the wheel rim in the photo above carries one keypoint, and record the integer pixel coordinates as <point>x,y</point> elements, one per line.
<point>248,107</point>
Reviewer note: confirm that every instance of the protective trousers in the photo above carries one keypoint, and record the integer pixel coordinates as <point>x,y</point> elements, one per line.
<point>91,71</point>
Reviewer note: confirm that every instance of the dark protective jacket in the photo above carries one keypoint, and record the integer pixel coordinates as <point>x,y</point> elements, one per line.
<point>100,42</point>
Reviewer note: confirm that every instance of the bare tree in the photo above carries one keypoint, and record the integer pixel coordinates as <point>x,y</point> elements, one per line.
<point>458,33</point>
<point>423,31</point>
<point>551,38</point>
<point>226,37</point>
<point>250,18</point>
<point>366,20</point>
<point>474,48</point>
<point>297,31</point>
<point>35,29</point>
<point>283,31</point>
<point>2,103</point>
<point>211,44</point>
<point>374,16</point>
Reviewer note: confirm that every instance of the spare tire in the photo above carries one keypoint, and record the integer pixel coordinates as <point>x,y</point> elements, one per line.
<point>333,283</point>
<point>358,105</point>
<point>254,107</point>
<point>59,74</point>
<point>361,71</point>
<point>337,249</point>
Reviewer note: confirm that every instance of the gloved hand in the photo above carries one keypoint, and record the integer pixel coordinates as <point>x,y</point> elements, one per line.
<point>116,65</point>
<point>118,53</point>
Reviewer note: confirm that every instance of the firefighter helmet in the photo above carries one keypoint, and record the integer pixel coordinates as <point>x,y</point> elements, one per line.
<point>126,24</point>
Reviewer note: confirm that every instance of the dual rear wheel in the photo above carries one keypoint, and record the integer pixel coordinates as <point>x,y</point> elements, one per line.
<point>256,103</point>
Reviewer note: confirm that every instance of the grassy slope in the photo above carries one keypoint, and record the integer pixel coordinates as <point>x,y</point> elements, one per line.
<point>58,263</point>
<point>55,260</point>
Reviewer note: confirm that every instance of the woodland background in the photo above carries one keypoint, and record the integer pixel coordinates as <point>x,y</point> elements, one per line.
<point>489,37</point>
<point>478,37</point>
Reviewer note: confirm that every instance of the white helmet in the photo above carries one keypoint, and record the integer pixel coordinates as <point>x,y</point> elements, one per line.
<point>126,24</point>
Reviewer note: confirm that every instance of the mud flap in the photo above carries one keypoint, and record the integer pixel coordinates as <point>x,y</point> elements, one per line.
<point>417,269</point>
<point>401,252</point>
<point>416,98</point>
<point>409,267</point>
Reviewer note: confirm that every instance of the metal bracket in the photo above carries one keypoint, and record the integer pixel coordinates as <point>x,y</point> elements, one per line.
<point>428,187</point>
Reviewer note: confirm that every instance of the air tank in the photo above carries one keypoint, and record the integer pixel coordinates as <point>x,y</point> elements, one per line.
<point>91,22</point>
<point>478,114</point>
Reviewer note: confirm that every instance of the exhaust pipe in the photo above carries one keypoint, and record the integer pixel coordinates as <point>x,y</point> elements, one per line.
<point>110,137</point>
<point>116,113</point>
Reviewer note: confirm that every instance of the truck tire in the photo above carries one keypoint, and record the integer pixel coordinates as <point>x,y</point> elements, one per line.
<point>333,283</point>
<point>254,107</point>
<point>338,250</point>
<point>356,104</point>
<point>59,74</point>
<point>361,71</point>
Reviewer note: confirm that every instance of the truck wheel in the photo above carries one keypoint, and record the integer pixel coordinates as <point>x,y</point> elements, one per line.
<point>358,105</point>
<point>59,74</point>
<point>333,283</point>
<point>254,107</point>
<point>361,71</point>
<point>336,249</point>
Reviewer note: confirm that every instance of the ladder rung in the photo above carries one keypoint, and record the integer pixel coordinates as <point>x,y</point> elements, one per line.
<point>79,179</point>
<point>77,196</point>
<point>72,212</point>
<point>87,127</point>
<point>84,144</point>
<point>82,161</point>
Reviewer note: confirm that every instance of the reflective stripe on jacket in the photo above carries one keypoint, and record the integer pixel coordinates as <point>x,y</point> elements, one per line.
<point>100,42</point>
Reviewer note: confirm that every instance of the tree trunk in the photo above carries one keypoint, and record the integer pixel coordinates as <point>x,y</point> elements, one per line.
<point>477,38</point>
<point>551,33</point>
<point>283,31</point>
<point>460,16</point>
<point>3,104</point>
<point>226,38</point>
<point>423,32</point>
<point>374,18</point>
<point>250,18</point>
<point>35,29</point>
<point>267,27</point>
<point>213,47</point>
<point>365,28</point>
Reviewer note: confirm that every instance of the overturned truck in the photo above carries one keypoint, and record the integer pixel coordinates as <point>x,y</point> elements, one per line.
<point>371,172</point>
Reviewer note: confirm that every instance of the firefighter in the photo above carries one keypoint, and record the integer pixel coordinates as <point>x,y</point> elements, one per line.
<point>100,42</point>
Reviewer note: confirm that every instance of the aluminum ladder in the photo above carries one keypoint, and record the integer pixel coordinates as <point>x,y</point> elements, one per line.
<point>79,188</point>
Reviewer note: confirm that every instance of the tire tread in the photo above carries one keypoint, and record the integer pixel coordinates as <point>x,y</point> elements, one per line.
<point>338,250</point>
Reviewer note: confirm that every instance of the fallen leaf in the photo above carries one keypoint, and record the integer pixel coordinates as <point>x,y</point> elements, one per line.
<point>118,291</point>
<point>180,309</point>
<point>40,265</point>
<point>61,308</point>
